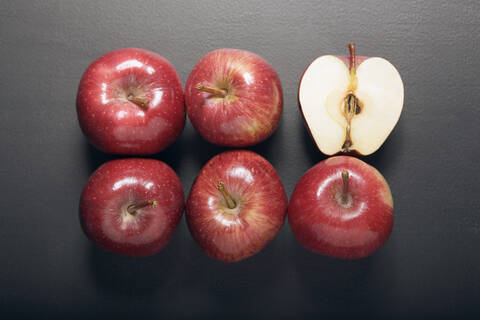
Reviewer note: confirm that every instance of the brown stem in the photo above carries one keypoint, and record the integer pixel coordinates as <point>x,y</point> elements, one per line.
<point>345,176</point>
<point>228,199</point>
<point>351,47</point>
<point>132,209</point>
<point>216,92</point>
<point>142,103</point>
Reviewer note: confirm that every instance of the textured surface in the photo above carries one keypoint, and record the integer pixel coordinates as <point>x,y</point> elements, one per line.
<point>429,267</point>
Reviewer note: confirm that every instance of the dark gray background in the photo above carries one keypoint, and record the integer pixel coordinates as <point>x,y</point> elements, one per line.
<point>430,265</point>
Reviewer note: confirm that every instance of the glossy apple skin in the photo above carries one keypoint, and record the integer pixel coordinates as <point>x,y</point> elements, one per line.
<point>227,234</point>
<point>324,226</point>
<point>254,112</point>
<point>117,184</point>
<point>116,125</point>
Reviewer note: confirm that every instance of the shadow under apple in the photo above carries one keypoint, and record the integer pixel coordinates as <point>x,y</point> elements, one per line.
<point>334,285</point>
<point>267,148</point>
<point>172,155</point>
<point>95,158</point>
<point>130,277</point>
<point>329,282</point>
<point>200,150</point>
<point>235,287</point>
<point>388,153</point>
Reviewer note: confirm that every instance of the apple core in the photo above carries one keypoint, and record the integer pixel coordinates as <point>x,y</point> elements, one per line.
<point>351,103</point>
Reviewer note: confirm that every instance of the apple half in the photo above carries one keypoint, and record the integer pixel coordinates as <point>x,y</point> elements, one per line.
<point>350,104</point>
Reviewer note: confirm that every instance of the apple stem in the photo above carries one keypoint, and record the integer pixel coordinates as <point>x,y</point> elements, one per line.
<point>345,177</point>
<point>142,103</point>
<point>353,68</point>
<point>216,92</point>
<point>228,199</point>
<point>132,209</point>
<point>351,47</point>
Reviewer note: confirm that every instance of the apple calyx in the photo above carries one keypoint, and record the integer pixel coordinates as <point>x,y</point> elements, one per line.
<point>216,92</point>
<point>142,103</point>
<point>351,105</point>
<point>231,204</point>
<point>132,209</point>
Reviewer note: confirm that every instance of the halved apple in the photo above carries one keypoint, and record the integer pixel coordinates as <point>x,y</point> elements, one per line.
<point>350,104</point>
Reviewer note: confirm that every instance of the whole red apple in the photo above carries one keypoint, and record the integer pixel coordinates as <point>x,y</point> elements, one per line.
<point>234,98</point>
<point>342,208</point>
<point>132,206</point>
<point>236,206</point>
<point>130,101</point>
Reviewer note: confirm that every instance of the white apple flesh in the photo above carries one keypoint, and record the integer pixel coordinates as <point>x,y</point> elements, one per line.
<point>350,106</point>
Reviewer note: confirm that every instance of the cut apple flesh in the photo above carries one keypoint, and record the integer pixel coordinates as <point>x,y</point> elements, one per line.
<point>324,88</point>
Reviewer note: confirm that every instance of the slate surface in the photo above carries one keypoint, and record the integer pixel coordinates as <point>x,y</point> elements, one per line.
<point>428,268</point>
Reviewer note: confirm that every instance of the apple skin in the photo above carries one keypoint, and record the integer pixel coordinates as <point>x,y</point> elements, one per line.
<point>346,60</point>
<point>323,225</point>
<point>252,113</point>
<point>116,125</point>
<point>117,184</point>
<point>231,235</point>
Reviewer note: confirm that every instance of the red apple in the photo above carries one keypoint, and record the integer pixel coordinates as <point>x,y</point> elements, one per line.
<point>130,101</point>
<point>236,206</point>
<point>234,98</point>
<point>342,208</point>
<point>132,206</point>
